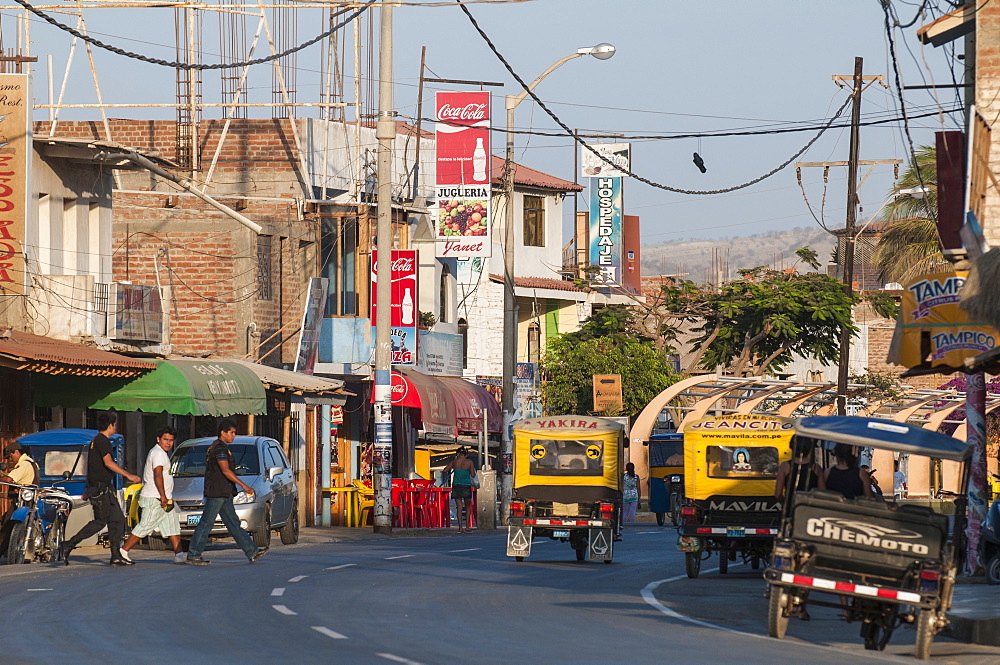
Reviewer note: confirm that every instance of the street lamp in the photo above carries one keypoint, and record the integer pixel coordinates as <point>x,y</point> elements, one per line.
<point>601,51</point>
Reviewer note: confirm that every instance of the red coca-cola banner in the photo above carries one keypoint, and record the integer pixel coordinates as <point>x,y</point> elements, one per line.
<point>404,313</point>
<point>463,173</point>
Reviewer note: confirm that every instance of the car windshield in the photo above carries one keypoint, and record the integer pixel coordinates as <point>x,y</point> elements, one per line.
<point>190,460</point>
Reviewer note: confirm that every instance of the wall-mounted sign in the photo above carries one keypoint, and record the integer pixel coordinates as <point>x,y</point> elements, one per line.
<point>606,230</point>
<point>312,318</point>
<point>440,353</point>
<point>404,313</point>
<point>620,154</point>
<point>607,392</point>
<point>15,180</point>
<point>463,173</point>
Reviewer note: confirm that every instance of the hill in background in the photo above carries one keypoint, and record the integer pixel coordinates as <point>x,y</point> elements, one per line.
<point>708,260</point>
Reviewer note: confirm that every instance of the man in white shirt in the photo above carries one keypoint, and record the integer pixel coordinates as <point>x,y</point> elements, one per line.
<point>899,483</point>
<point>156,498</point>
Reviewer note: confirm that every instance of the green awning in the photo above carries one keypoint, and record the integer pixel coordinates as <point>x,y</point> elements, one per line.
<point>195,387</point>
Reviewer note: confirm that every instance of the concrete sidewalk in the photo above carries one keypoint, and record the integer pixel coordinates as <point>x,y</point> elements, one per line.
<point>975,612</point>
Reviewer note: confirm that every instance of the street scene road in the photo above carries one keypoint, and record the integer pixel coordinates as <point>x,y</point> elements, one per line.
<point>441,599</point>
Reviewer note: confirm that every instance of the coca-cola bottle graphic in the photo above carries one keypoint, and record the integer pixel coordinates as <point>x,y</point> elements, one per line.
<point>479,162</point>
<point>407,312</point>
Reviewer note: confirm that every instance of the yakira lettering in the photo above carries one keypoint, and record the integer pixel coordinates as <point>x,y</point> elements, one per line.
<point>467,112</point>
<point>562,422</point>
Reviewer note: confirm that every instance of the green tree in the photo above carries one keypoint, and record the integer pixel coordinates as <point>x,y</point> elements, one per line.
<point>909,244</point>
<point>572,359</point>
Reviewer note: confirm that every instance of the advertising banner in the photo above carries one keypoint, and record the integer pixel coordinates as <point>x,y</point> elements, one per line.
<point>312,319</point>
<point>929,310</point>
<point>619,153</point>
<point>526,397</point>
<point>15,161</point>
<point>440,353</point>
<point>463,173</point>
<point>404,313</point>
<point>606,230</point>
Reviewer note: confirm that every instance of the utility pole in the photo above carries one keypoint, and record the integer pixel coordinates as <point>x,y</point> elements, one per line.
<point>852,210</point>
<point>859,82</point>
<point>385,132</point>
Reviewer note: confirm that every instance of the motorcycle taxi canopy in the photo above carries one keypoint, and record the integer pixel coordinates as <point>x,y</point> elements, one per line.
<point>577,451</point>
<point>882,434</point>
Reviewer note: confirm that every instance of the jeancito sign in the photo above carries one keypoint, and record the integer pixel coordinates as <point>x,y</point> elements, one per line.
<point>606,230</point>
<point>463,174</point>
<point>15,163</point>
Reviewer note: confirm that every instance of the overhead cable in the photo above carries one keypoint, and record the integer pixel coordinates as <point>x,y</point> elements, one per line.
<point>187,65</point>
<point>569,132</point>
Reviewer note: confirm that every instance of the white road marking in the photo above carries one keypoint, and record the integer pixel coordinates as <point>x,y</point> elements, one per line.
<point>401,556</point>
<point>39,589</point>
<point>397,659</point>
<point>298,578</point>
<point>648,595</point>
<point>642,532</point>
<point>278,591</point>
<point>467,549</point>
<point>343,565</point>
<point>284,610</point>
<point>332,634</point>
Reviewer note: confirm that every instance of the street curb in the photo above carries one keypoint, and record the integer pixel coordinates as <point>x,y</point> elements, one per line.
<point>983,630</point>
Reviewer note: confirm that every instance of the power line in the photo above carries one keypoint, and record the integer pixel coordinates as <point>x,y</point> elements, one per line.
<point>185,65</point>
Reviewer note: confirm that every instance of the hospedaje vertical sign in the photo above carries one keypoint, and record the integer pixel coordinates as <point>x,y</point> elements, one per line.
<point>462,174</point>
<point>15,163</point>
<point>606,230</point>
<point>404,313</point>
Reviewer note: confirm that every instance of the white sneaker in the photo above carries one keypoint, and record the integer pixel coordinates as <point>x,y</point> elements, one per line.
<point>126,556</point>
<point>180,557</point>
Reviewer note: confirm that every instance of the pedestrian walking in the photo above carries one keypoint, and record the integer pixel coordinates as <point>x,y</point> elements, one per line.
<point>899,482</point>
<point>630,493</point>
<point>463,472</point>
<point>156,498</point>
<point>221,482</point>
<point>101,470</point>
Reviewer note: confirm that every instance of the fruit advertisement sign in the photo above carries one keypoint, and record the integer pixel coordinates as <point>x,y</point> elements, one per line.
<point>463,173</point>
<point>404,312</point>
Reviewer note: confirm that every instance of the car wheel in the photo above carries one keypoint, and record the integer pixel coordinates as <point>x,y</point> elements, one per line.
<point>262,538</point>
<point>290,532</point>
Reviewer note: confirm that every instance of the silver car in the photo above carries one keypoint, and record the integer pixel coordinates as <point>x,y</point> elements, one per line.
<point>261,464</point>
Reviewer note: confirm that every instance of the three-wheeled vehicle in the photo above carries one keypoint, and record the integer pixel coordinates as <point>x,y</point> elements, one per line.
<point>57,451</point>
<point>666,475</point>
<point>567,484</point>
<point>889,564</point>
<point>730,466</point>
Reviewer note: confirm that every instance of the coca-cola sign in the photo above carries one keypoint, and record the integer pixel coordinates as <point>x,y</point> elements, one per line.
<point>464,173</point>
<point>404,308</point>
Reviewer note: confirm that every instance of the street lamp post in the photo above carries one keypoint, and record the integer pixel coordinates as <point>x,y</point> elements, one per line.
<point>601,52</point>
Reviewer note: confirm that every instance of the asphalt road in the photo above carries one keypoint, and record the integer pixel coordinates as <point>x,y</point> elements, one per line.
<point>446,600</point>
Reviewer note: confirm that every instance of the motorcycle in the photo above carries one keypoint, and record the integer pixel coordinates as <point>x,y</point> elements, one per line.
<point>989,542</point>
<point>39,524</point>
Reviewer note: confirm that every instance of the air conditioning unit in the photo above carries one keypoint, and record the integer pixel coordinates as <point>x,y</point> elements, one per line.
<point>135,313</point>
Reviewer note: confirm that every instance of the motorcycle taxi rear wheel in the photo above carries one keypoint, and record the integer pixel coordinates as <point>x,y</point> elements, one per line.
<point>777,616</point>
<point>925,634</point>
<point>692,564</point>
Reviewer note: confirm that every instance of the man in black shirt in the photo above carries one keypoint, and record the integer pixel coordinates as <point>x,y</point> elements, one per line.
<point>220,488</point>
<point>101,468</point>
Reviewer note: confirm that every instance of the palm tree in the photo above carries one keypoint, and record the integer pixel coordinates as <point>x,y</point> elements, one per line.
<point>909,244</point>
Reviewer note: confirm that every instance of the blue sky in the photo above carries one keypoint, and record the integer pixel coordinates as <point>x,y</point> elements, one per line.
<point>681,67</point>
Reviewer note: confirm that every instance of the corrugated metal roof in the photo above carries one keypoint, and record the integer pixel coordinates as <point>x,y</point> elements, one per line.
<point>282,378</point>
<point>34,353</point>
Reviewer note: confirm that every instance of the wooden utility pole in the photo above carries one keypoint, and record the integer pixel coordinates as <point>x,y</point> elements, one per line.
<point>859,83</point>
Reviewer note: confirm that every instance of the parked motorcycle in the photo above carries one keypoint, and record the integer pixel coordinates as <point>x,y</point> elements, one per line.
<point>39,524</point>
<point>989,542</point>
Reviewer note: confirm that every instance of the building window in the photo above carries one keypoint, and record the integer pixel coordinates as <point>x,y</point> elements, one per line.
<point>534,343</point>
<point>463,330</point>
<point>534,221</point>
<point>264,267</point>
<point>340,257</point>
<point>445,295</point>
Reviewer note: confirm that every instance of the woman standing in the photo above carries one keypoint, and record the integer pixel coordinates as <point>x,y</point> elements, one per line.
<point>463,471</point>
<point>630,493</point>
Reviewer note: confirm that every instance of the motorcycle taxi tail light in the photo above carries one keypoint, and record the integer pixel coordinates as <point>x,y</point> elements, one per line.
<point>517,508</point>
<point>606,510</point>
<point>689,511</point>
<point>929,579</point>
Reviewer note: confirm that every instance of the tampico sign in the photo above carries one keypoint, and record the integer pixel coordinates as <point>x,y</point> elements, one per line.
<point>930,310</point>
<point>404,311</point>
<point>606,229</point>
<point>15,149</point>
<point>463,173</point>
